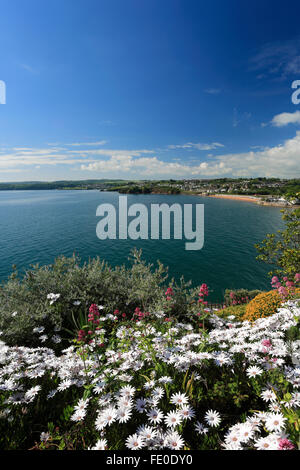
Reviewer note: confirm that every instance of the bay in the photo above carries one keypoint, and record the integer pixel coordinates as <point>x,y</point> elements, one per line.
<point>38,226</point>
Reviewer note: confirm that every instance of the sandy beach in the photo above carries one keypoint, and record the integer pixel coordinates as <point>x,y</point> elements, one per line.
<point>253,199</point>
<point>239,197</point>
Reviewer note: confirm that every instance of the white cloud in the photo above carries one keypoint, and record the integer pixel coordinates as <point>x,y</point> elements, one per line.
<point>26,156</point>
<point>197,146</point>
<point>279,161</point>
<point>277,59</point>
<point>90,144</point>
<point>110,152</point>
<point>284,119</point>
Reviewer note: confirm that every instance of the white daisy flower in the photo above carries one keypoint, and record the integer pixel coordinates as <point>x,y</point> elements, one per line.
<point>200,428</point>
<point>173,418</point>
<point>268,395</point>
<point>123,415</point>
<point>155,416</point>
<point>174,441</point>
<point>101,444</point>
<point>275,422</point>
<point>179,399</point>
<point>253,371</point>
<point>135,442</point>
<point>265,443</point>
<point>140,405</point>
<point>212,418</point>
<point>187,412</point>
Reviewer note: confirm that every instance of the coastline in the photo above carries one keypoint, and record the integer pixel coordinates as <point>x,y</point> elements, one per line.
<point>237,197</point>
<point>254,199</point>
<point>234,197</point>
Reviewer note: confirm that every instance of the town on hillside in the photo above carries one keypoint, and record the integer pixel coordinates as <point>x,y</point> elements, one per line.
<point>285,192</point>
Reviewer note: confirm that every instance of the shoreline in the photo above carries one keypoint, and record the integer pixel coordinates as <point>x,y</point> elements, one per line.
<point>233,197</point>
<point>254,199</point>
<point>237,197</point>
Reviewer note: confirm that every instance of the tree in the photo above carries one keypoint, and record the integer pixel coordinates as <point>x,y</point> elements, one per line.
<point>283,248</point>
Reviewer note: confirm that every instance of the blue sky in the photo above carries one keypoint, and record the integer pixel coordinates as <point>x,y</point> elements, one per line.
<point>149,89</point>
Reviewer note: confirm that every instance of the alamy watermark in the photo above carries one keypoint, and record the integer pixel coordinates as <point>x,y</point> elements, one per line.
<point>144,224</point>
<point>296,95</point>
<point>2,92</point>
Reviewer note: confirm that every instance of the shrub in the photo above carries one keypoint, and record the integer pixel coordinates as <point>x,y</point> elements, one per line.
<point>237,310</point>
<point>286,288</point>
<point>156,385</point>
<point>283,248</point>
<point>264,305</point>
<point>239,296</point>
<point>25,303</point>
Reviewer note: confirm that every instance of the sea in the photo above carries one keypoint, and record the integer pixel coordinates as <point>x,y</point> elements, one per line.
<point>38,226</point>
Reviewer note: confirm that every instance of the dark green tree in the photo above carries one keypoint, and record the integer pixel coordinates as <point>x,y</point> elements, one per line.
<point>282,249</point>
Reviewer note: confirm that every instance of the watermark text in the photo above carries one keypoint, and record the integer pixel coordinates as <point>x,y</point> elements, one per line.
<point>153,223</point>
<point>296,95</point>
<point>2,92</point>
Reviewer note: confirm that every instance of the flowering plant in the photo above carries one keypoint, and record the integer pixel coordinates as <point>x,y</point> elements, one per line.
<point>151,384</point>
<point>286,288</point>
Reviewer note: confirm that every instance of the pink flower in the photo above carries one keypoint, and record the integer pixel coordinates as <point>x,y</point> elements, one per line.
<point>94,309</point>
<point>290,284</point>
<point>169,292</point>
<point>81,335</point>
<point>283,291</point>
<point>297,277</point>
<point>286,444</point>
<point>139,314</point>
<point>203,290</point>
<point>267,343</point>
<point>274,280</point>
<point>93,313</point>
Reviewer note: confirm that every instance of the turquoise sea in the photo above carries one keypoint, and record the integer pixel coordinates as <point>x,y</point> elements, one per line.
<point>37,226</point>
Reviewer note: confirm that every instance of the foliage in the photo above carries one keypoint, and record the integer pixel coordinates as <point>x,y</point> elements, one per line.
<point>238,311</point>
<point>133,377</point>
<point>264,186</point>
<point>267,303</point>
<point>263,305</point>
<point>24,302</point>
<point>283,249</point>
<point>240,296</point>
<point>78,286</point>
